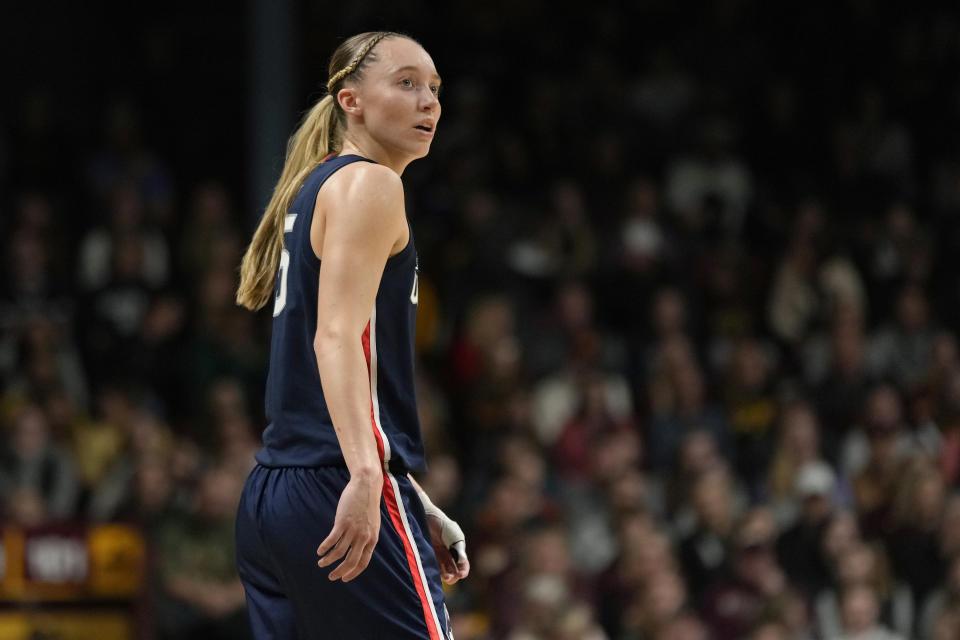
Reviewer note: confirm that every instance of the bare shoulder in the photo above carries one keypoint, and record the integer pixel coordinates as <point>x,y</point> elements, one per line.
<point>365,186</point>
<point>360,203</point>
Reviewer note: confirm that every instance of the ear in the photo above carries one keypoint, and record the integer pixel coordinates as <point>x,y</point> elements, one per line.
<point>349,101</point>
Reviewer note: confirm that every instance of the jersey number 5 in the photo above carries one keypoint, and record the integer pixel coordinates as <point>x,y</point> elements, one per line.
<point>281,300</point>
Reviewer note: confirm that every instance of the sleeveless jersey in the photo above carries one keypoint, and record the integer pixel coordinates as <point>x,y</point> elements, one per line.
<point>300,432</point>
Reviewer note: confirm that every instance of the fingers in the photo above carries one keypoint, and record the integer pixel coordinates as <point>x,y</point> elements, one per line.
<point>455,571</point>
<point>463,568</point>
<point>354,564</point>
<point>356,550</point>
<point>324,550</point>
<point>453,566</point>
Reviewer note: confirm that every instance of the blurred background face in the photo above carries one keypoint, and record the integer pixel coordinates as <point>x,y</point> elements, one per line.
<point>754,546</point>
<point>684,628</point>
<point>154,483</point>
<point>884,410</point>
<point>841,534</point>
<point>770,631</point>
<point>947,626</point>
<point>857,565</point>
<point>750,366</point>
<point>31,434</point>
<point>664,596</point>
<point>546,552</point>
<point>218,495</point>
<point>849,348</point>
<point>929,497</point>
<point>713,500</point>
<point>815,508</point>
<point>689,388</point>
<point>698,452</point>
<point>642,561</point>
<point>801,433</point>
<point>669,312</point>
<point>883,424</point>
<point>912,309</point>
<point>859,610</point>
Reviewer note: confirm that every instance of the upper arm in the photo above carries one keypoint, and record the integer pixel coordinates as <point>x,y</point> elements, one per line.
<point>364,219</point>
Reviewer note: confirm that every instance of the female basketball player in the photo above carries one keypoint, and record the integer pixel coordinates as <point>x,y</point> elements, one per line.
<point>335,252</point>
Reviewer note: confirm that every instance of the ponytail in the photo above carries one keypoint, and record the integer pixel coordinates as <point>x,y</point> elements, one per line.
<point>319,134</point>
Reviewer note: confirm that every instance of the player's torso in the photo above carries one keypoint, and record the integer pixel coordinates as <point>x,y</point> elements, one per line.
<point>300,432</point>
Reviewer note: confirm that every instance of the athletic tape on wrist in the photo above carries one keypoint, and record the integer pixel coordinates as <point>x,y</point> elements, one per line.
<point>450,532</point>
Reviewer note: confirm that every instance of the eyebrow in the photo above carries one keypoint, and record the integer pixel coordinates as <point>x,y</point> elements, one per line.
<point>411,67</point>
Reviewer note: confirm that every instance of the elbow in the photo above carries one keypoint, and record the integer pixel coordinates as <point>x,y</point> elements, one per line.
<point>329,340</point>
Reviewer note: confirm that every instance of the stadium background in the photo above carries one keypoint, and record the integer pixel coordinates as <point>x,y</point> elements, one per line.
<point>688,310</point>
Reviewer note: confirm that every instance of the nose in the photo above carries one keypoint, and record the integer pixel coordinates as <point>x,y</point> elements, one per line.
<point>429,101</point>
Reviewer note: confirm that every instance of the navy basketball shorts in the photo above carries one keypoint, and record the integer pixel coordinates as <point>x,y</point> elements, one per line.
<point>284,515</point>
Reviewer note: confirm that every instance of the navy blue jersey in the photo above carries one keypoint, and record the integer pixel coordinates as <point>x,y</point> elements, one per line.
<point>300,432</point>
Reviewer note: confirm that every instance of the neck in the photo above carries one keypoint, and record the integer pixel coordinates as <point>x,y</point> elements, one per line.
<point>363,145</point>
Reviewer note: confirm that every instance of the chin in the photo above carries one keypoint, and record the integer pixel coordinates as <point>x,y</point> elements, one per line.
<point>421,152</point>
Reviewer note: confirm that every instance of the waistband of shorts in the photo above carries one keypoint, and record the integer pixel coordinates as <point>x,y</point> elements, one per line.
<point>393,466</point>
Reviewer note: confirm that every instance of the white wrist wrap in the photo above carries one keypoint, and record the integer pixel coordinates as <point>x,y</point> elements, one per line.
<point>450,532</point>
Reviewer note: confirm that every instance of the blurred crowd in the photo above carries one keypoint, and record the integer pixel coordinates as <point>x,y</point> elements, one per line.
<point>688,321</point>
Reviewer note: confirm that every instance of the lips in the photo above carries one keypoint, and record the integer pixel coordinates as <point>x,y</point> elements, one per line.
<point>425,126</point>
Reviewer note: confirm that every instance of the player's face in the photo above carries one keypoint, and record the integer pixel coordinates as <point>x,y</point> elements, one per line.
<point>398,95</point>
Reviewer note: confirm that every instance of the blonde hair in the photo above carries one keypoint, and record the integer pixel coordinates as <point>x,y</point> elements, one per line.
<point>319,134</point>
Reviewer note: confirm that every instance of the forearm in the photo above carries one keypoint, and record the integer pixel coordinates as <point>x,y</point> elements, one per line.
<point>416,485</point>
<point>346,389</point>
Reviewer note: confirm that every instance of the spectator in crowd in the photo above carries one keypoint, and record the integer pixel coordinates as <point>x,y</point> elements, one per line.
<point>841,534</point>
<point>883,600</point>
<point>861,614</point>
<point>950,528</point>
<point>799,547</point>
<point>99,263</point>
<point>797,445</point>
<point>948,419</point>
<point>685,626</point>
<point>688,410</point>
<point>751,407</point>
<point>38,481</point>
<point>943,603</point>
<point>770,630</point>
<point>704,551</point>
<point>882,444</point>
<point>752,585</point>
<point>841,393</point>
<point>903,351</point>
<point>200,593</point>
<point>913,545</point>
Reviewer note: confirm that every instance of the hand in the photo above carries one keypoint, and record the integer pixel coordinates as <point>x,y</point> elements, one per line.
<point>356,528</point>
<point>451,569</point>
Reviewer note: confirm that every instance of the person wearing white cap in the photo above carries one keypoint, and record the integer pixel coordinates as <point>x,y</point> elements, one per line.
<point>799,547</point>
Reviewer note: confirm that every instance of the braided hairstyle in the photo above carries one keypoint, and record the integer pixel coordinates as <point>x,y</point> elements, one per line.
<point>370,40</point>
<point>319,135</point>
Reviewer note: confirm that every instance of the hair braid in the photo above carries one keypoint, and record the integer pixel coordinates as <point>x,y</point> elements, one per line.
<point>350,68</point>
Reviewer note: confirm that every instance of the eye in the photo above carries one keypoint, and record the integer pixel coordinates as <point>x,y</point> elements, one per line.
<point>435,88</point>
<point>406,82</point>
